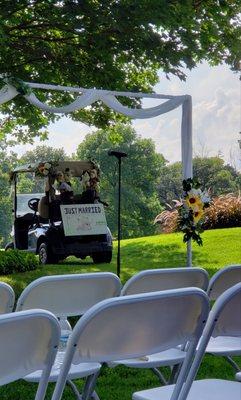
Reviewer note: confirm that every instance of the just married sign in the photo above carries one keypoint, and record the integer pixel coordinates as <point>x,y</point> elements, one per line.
<point>83,219</point>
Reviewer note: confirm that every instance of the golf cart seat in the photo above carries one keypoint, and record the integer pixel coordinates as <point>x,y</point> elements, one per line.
<point>43,208</point>
<point>21,227</point>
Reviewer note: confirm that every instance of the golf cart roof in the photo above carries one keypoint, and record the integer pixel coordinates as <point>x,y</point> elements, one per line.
<point>76,167</point>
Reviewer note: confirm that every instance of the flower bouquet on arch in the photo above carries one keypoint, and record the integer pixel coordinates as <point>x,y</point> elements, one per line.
<point>191,210</point>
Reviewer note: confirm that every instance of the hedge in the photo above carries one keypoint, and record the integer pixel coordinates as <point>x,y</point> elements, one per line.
<point>17,261</point>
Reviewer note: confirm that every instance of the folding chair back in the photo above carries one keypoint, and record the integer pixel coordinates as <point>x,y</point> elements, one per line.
<point>228,323</point>
<point>133,326</point>
<point>28,342</point>
<point>223,280</point>
<point>7,298</point>
<point>69,295</point>
<point>224,318</point>
<point>152,280</point>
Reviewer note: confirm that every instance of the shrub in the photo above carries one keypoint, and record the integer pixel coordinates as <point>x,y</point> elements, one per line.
<point>16,261</point>
<point>224,212</point>
<point>167,221</point>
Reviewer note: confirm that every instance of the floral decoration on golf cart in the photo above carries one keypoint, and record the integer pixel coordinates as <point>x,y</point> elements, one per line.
<point>43,169</point>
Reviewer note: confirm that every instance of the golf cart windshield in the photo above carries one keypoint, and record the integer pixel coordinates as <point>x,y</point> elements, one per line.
<point>22,202</point>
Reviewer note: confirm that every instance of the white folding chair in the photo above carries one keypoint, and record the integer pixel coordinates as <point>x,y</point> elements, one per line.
<point>7,298</point>
<point>28,342</point>
<point>223,279</point>
<point>222,346</point>
<point>152,280</point>
<point>65,296</point>
<point>221,321</point>
<point>156,280</point>
<point>132,326</point>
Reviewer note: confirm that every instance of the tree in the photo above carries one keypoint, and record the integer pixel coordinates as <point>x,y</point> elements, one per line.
<point>109,44</point>
<point>29,184</point>
<point>140,174</point>
<point>211,172</point>
<point>43,153</point>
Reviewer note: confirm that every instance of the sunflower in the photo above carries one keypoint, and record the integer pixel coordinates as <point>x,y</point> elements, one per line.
<point>197,214</point>
<point>193,199</point>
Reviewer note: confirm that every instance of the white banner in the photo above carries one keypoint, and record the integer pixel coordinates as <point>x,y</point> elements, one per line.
<point>83,219</point>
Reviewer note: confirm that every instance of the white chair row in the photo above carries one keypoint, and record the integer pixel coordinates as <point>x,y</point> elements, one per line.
<point>128,327</point>
<point>85,290</point>
<point>73,295</point>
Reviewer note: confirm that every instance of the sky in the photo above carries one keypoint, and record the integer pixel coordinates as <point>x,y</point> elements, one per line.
<point>216,94</point>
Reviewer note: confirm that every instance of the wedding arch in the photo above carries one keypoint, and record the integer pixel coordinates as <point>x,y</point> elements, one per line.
<point>86,97</point>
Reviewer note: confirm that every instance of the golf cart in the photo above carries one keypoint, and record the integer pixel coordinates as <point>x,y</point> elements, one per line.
<point>63,215</point>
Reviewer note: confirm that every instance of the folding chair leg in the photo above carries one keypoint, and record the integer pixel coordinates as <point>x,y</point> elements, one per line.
<point>74,389</point>
<point>160,376</point>
<point>174,374</point>
<point>88,391</point>
<point>232,363</point>
<point>95,396</point>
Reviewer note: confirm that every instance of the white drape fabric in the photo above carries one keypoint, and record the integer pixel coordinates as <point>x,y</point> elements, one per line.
<point>86,99</point>
<point>109,98</point>
<point>7,93</point>
<point>186,137</point>
<point>137,113</point>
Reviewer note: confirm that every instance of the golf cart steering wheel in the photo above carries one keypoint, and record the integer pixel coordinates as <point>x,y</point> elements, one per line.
<point>33,204</point>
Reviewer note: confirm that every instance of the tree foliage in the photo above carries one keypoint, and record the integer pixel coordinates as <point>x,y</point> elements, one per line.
<point>28,183</point>
<point>43,154</point>
<point>111,44</point>
<point>211,172</point>
<point>140,174</point>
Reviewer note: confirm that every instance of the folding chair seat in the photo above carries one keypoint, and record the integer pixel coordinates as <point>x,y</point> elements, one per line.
<point>224,345</point>
<point>156,280</point>
<point>28,342</point>
<point>7,298</point>
<point>65,296</point>
<point>133,326</point>
<point>221,321</point>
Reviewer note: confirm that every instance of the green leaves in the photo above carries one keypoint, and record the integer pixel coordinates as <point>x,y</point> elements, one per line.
<point>107,44</point>
<point>140,174</point>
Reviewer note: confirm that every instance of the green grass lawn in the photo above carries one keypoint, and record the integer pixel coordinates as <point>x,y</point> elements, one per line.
<point>221,247</point>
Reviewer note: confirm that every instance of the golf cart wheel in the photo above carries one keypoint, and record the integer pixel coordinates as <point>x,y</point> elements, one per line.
<point>104,257</point>
<point>46,256</point>
<point>9,246</point>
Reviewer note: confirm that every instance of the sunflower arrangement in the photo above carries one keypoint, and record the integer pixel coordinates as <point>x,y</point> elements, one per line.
<point>191,210</point>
